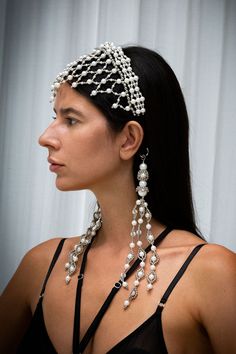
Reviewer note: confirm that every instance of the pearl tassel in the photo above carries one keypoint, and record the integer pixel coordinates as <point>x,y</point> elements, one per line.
<point>140,212</point>
<point>85,239</point>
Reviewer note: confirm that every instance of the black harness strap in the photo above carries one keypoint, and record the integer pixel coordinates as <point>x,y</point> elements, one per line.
<point>79,347</point>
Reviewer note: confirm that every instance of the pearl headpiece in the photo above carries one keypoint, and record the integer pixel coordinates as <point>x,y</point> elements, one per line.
<point>109,71</point>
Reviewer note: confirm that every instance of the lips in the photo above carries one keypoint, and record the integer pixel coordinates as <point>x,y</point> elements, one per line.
<point>54,164</point>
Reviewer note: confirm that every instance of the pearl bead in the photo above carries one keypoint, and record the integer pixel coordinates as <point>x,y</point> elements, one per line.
<point>126,266</point>
<point>140,220</point>
<point>149,286</point>
<point>143,166</point>
<point>125,284</point>
<point>131,245</point>
<point>134,222</point>
<point>108,90</point>
<point>142,264</point>
<point>138,202</point>
<point>151,276</point>
<point>126,303</point>
<point>67,265</point>
<point>72,268</point>
<point>136,283</point>
<point>142,183</point>
<point>153,258</point>
<point>139,232</point>
<point>150,238</point>
<point>141,209</point>
<point>68,278</point>
<point>141,254</point>
<point>152,267</point>
<point>147,215</point>
<point>74,84</point>
<point>127,108</point>
<point>153,248</point>
<point>142,193</point>
<point>130,256</point>
<point>139,243</point>
<point>75,258</point>
<point>140,274</point>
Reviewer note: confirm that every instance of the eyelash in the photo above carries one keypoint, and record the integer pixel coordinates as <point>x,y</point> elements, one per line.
<point>69,120</point>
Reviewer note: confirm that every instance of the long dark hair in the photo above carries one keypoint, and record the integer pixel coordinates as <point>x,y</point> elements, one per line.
<point>166,134</point>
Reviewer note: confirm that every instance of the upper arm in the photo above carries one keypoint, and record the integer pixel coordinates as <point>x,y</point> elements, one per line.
<point>21,291</point>
<point>217,300</point>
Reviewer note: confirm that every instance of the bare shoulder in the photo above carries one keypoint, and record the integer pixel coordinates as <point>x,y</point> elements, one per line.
<point>217,260</point>
<point>41,254</point>
<point>28,278</point>
<point>22,292</point>
<point>215,278</point>
<point>213,262</point>
<point>214,295</point>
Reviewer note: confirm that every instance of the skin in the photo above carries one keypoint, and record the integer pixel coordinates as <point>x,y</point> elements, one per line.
<point>200,314</point>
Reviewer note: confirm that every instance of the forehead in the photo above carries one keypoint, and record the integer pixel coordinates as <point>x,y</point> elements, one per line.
<point>68,97</point>
<point>68,100</point>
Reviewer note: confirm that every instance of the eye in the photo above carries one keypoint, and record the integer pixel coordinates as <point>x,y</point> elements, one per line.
<point>54,117</point>
<point>71,121</point>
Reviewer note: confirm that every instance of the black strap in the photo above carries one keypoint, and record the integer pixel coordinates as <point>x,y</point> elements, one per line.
<point>80,347</point>
<point>55,257</point>
<point>179,275</point>
<point>76,330</point>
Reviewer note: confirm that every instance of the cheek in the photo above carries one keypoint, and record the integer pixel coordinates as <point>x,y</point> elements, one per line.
<point>93,157</point>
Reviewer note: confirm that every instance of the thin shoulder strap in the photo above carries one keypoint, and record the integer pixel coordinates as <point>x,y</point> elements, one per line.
<point>179,275</point>
<point>54,259</point>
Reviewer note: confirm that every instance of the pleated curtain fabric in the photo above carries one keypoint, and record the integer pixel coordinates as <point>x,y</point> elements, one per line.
<point>37,39</point>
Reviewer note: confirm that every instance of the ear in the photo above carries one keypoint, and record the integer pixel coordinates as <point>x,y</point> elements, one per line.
<point>131,139</point>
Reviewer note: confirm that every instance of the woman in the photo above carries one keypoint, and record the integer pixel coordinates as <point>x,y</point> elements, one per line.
<point>142,279</point>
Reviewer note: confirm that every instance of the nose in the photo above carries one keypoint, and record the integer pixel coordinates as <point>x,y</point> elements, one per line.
<point>49,139</point>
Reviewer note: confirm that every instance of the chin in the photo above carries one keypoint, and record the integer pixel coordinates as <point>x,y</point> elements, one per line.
<point>65,186</point>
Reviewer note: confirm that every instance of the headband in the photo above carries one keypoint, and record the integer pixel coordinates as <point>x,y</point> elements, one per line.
<point>108,70</point>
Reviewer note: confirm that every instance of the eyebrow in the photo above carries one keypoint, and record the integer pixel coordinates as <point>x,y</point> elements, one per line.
<point>67,110</point>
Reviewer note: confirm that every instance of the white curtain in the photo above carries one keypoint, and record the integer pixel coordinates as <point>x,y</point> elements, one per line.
<point>37,39</point>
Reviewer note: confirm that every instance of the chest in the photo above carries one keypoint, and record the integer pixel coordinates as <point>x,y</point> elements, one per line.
<point>117,323</point>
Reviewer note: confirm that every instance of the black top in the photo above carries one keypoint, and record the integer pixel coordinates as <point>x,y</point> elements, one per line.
<point>146,339</point>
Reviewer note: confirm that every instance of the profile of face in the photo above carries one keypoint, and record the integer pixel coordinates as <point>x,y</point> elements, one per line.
<point>82,150</point>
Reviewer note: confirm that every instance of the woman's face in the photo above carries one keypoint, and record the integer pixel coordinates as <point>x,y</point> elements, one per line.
<point>82,150</point>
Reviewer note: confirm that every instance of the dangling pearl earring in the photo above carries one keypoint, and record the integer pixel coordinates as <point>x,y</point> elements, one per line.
<point>141,214</point>
<point>85,239</point>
